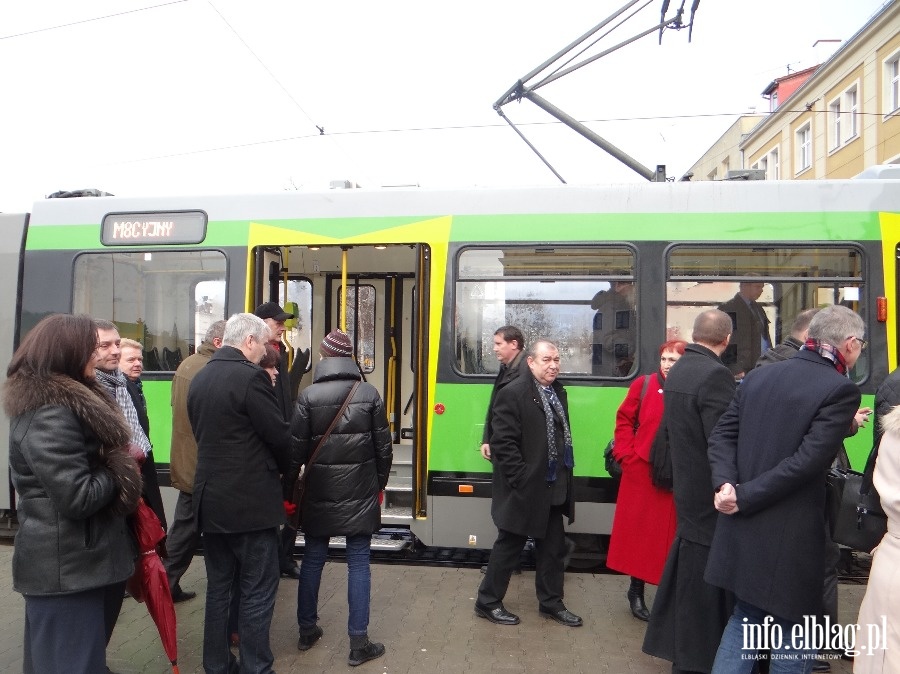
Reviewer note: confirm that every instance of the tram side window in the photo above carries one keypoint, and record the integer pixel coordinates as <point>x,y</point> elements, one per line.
<point>582,298</point>
<point>165,300</point>
<point>763,289</point>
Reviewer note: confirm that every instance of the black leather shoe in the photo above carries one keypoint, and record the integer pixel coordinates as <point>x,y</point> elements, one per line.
<point>638,608</point>
<point>563,617</point>
<point>291,572</point>
<point>498,616</point>
<point>180,595</point>
<point>306,641</point>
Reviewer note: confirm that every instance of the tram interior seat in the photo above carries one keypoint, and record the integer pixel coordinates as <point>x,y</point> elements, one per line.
<point>151,359</point>
<point>171,358</point>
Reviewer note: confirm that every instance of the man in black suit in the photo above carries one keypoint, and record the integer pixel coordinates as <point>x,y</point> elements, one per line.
<point>509,345</point>
<point>242,448</point>
<point>688,615</point>
<point>750,329</point>
<point>532,487</point>
<point>769,455</point>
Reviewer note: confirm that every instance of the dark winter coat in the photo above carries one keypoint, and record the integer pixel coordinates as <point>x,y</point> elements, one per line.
<point>352,466</point>
<point>775,443</point>
<point>242,446</point>
<point>697,392</point>
<point>787,349</point>
<point>75,483</point>
<point>150,492</point>
<point>747,333</point>
<point>508,373</point>
<point>886,398</point>
<point>521,495</point>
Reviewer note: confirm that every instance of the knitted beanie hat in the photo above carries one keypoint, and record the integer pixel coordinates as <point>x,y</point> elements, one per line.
<point>336,344</point>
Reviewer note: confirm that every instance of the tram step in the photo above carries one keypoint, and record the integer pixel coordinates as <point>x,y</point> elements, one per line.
<point>380,544</point>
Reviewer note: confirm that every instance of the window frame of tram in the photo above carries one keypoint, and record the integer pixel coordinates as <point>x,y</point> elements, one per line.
<point>796,277</point>
<point>583,298</point>
<point>136,290</point>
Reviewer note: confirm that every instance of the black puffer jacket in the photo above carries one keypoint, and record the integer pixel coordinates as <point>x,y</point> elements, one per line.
<point>352,467</point>
<point>75,483</point>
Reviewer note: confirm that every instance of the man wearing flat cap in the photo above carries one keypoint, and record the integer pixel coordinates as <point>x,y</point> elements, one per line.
<point>275,316</point>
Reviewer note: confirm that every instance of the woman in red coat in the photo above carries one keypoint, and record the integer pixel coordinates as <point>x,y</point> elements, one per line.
<point>644,523</point>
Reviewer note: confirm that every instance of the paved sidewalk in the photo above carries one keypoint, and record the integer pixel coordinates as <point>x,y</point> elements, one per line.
<point>422,614</point>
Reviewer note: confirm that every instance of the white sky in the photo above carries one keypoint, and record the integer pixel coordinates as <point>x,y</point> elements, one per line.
<point>222,96</point>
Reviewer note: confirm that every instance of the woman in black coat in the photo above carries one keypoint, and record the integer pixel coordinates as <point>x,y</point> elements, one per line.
<point>343,483</point>
<point>76,483</point>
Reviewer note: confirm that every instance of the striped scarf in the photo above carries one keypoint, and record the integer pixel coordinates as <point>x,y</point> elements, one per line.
<point>828,352</point>
<point>114,383</point>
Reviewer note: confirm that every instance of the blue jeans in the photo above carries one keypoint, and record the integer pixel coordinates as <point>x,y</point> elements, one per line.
<point>740,640</point>
<point>252,557</point>
<point>359,583</point>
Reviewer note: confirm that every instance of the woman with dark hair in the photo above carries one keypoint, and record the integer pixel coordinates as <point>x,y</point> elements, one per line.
<point>69,463</point>
<point>644,523</point>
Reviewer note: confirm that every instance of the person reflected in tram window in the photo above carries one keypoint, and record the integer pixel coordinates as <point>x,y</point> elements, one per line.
<point>344,478</point>
<point>792,343</point>
<point>72,473</point>
<point>614,334</point>
<point>131,364</point>
<point>644,522</point>
<point>750,336</point>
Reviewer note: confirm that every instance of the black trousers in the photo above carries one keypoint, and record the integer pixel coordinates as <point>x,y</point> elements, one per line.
<point>549,554</point>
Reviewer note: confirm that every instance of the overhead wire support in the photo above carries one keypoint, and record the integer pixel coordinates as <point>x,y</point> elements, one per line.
<point>523,89</point>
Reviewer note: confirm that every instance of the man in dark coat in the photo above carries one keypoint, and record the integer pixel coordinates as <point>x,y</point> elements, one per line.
<point>750,329</point>
<point>509,345</point>
<point>275,316</point>
<point>532,487</point>
<point>131,364</point>
<point>242,448</point>
<point>792,343</point>
<point>769,455</point>
<point>688,615</point>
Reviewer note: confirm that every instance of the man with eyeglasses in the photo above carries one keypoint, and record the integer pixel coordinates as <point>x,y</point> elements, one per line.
<point>769,455</point>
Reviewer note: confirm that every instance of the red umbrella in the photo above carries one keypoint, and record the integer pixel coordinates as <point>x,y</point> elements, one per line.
<point>149,584</point>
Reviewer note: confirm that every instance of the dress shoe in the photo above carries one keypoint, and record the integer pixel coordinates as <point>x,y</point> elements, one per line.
<point>291,572</point>
<point>306,641</point>
<point>498,616</point>
<point>368,652</point>
<point>821,666</point>
<point>563,617</point>
<point>180,595</point>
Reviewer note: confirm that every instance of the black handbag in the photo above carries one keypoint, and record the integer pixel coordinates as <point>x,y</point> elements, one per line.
<point>613,467</point>
<point>857,518</point>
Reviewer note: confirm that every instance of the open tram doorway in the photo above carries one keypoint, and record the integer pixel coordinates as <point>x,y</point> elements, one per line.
<point>371,292</point>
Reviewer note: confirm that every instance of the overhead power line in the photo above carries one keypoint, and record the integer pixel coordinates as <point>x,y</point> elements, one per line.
<point>96,18</point>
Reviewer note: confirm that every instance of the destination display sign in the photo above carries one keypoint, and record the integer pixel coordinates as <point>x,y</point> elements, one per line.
<point>130,229</point>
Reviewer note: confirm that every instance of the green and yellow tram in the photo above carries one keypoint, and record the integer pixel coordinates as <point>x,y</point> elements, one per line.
<point>422,278</point>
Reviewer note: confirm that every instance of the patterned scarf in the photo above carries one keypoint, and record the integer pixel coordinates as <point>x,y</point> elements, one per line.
<point>114,383</point>
<point>553,407</point>
<point>828,352</point>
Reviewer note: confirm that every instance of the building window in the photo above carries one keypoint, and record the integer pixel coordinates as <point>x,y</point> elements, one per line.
<point>851,98</point>
<point>804,147</point>
<point>774,169</point>
<point>834,118</point>
<point>892,84</point>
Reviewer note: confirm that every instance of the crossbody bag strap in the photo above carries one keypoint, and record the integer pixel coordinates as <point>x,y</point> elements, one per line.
<point>334,421</point>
